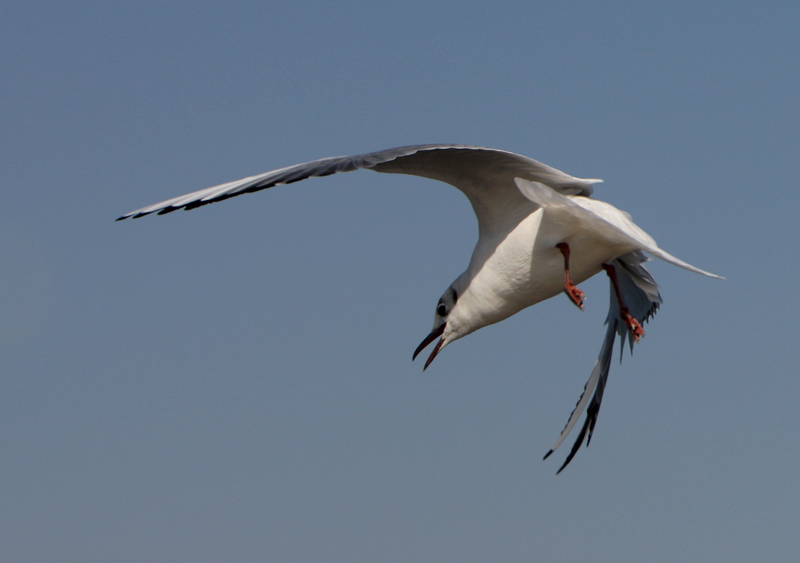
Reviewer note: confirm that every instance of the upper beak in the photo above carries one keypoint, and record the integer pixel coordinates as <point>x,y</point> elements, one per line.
<point>435,333</point>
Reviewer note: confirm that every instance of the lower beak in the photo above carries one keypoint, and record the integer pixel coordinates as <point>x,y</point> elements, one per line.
<point>435,333</point>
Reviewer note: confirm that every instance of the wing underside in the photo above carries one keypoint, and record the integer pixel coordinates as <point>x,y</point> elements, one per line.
<point>477,171</point>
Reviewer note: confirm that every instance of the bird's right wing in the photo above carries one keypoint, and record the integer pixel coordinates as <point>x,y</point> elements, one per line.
<point>640,294</point>
<point>485,175</point>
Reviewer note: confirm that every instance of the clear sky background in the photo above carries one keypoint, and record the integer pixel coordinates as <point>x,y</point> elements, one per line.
<point>236,384</point>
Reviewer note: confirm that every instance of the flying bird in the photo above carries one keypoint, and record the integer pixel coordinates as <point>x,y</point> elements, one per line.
<point>540,234</point>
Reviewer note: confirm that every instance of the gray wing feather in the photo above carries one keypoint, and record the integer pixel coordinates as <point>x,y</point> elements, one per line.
<point>640,294</point>
<point>474,170</point>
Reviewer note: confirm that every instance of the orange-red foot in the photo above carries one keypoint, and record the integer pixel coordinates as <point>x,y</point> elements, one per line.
<point>575,294</point>
<point>633,325</point>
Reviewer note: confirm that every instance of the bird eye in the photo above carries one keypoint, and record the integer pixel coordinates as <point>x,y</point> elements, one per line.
<point>441,310</point>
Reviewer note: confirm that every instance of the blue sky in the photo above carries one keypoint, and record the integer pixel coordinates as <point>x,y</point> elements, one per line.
<point>235,383</point>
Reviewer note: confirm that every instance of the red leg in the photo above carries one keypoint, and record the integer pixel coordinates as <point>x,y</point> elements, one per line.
<point>572,291</point>
<point>633,325</point>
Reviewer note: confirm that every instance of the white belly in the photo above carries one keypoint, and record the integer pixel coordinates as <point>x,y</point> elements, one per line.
<point>525,267</point>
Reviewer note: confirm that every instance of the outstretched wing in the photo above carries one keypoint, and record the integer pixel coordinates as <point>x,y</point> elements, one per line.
<point>485,175</point>
<point>637,288</point>
<point>640,294</point>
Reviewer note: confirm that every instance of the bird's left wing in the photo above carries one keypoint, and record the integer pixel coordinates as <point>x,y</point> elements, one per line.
<point>637,289</point>
<point>640,294</point>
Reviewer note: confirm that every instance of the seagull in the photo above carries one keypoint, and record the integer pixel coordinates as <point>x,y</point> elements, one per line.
<point>540,234</point>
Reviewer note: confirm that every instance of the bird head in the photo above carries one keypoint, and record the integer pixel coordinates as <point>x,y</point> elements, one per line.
<point>442,325</point>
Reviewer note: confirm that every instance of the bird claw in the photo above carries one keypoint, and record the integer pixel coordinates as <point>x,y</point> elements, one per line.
<point>575,294</point>
<point>634,326</point>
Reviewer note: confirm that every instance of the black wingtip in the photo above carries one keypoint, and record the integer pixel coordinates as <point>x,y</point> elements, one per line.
<point>131,216</point>
<point>547,455</point>
<point>570,456</point>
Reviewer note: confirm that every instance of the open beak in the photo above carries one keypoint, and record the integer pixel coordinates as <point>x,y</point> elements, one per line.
<point>435,333</point>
